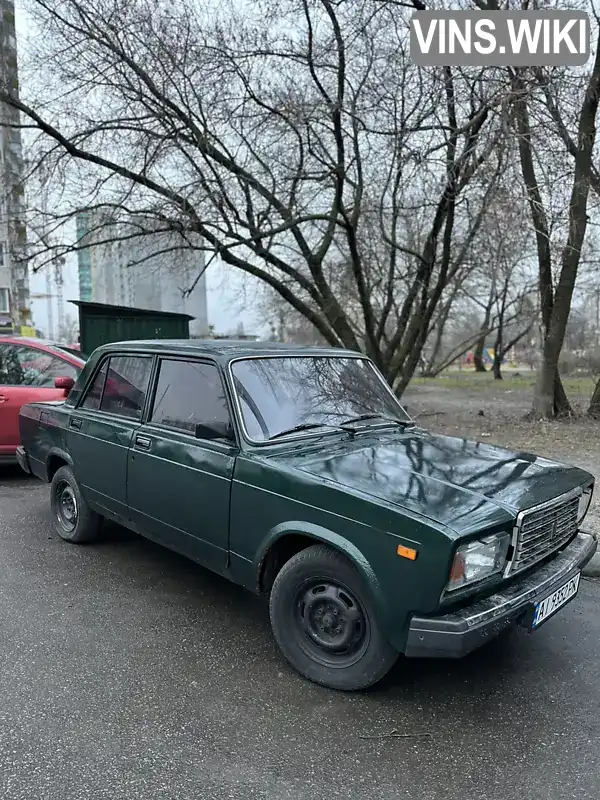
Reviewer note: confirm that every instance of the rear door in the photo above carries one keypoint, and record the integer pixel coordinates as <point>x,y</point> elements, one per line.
<point>101,430</point>
<point>26,375</point>
<point>178,486</point>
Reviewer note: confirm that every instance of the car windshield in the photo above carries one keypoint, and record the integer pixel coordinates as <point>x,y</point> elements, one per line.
<point>278,394</point>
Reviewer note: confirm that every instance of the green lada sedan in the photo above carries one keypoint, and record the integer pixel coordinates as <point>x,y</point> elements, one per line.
<point>296,473</point>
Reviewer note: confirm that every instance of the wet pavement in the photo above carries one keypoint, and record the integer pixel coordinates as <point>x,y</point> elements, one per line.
<point>128,672</point>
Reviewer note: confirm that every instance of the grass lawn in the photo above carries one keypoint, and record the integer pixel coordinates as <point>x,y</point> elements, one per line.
<point>513,379</point>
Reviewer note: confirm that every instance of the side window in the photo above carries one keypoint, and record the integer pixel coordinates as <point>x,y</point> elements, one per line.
<point>26,366</point>
<point>60,369</point>
<point>189,393</point>
<point>40,369</point>
<point>33,365</point>
<point>11,372</point>
<point>126,385</point>
<point>93,396</point>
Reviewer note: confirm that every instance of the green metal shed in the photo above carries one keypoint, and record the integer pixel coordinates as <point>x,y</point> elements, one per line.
<point>100,323</point>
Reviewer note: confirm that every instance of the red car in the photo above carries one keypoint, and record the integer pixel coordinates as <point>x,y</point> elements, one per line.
<point>30,370</point>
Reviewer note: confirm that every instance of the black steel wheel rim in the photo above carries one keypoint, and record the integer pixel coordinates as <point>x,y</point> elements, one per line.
<point>67,510</point>
<point>331,625</point>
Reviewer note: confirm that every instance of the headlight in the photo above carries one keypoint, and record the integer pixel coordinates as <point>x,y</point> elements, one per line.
<point>584,503</point>
<point>478,560</point>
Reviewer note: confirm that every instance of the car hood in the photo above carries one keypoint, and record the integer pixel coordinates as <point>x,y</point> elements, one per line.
<point>464,485</point>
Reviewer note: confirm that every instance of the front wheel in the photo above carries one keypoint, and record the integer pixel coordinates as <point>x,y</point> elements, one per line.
<point>74,520</point>
<point>325,624</point>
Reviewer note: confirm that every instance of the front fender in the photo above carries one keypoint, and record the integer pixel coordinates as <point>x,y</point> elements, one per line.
<point>326,536</point>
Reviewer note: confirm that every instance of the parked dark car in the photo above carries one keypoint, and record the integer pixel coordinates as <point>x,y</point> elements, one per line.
<point>296,473</point>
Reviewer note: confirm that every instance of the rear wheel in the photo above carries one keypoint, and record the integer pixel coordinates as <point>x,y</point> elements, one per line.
<point>74,520</point>
<point>325,624</point>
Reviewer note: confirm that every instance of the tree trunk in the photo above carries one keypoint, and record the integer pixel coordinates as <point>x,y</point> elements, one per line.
<point>594,409</point>
<point>478,355</point>
<point>439,335</point>
<point>480,346</point>
<point>562,407</point>
<point>497,363</point>
<point>550,399</point>
<point>499,349</point>
<point>549,393</point>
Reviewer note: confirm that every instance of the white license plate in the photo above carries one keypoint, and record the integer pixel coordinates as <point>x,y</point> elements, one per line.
<point>546,607</point>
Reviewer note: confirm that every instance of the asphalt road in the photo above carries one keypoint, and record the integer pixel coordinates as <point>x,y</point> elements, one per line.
<point>127,672</point>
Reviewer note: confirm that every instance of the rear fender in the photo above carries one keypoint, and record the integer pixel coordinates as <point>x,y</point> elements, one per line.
<point>56,453</point>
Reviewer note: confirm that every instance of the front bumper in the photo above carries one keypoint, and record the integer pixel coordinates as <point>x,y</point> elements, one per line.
<point>23,460</point>
<point>458,633</point>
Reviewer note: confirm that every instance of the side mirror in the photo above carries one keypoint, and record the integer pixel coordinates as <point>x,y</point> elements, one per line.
<point>65,383</point>
<point>214,430</point>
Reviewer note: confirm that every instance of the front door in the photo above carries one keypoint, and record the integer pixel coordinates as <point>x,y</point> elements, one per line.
<point>178,486</point>
<point>101,431</point>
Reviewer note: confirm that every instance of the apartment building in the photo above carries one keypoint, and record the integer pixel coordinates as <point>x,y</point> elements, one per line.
<point>14,284</point>
<point>120,265</point>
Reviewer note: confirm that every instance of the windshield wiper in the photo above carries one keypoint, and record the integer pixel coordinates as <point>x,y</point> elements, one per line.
<point>304,427</point>
<point>366,417</point>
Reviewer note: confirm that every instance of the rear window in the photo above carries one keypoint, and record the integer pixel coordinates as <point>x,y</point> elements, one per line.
<point>120,386</point>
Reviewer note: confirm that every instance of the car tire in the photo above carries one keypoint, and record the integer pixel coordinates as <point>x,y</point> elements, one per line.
<point>74,520</point>
<point>325,624</point>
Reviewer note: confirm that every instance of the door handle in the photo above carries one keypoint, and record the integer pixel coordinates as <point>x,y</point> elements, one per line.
<point>143,442</point>
<point>75,423</point>
<point>3,398</point>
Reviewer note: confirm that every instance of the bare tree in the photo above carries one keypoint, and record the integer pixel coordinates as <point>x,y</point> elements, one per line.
<point>555,296</point>
<point>564,122</point>
<point>496,285</point>
<point>484,331</point>
<point>296,140</point>
<point>507,262</point>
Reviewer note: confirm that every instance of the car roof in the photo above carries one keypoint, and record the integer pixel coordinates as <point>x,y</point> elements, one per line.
<point>226,349</point>
<point>32,341</point>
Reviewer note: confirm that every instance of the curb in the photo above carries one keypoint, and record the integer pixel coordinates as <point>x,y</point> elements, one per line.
<point>592,568</point>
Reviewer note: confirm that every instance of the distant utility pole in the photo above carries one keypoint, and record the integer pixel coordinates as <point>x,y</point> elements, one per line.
<point>59,263</point>
<point>54,269</point>
<point>49,303</point>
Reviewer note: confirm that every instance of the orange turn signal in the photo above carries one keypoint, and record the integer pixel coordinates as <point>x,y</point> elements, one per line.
<point>407,552</point>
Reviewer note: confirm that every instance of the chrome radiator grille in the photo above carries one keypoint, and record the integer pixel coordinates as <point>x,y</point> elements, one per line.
<point>542,531</point>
